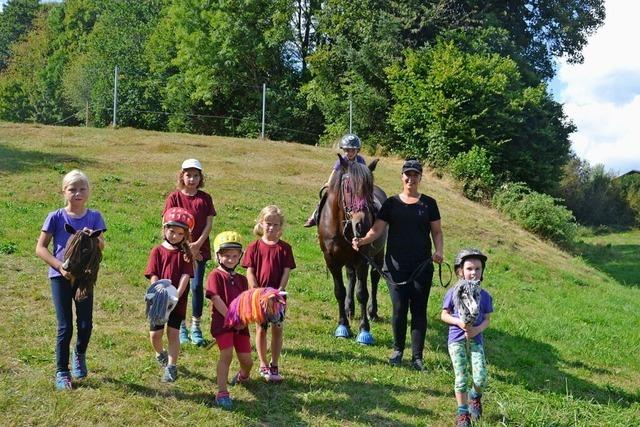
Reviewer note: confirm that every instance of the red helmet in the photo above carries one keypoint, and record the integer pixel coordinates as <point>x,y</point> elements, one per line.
<point>179,217</point>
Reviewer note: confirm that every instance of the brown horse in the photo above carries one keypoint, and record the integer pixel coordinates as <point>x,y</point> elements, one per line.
<point>347,212</point>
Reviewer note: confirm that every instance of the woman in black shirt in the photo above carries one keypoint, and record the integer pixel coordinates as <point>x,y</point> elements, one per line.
<point>414,221</point>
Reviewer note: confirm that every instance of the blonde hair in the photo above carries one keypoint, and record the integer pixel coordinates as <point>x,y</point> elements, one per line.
<point>180,181</point>
<point>267,211</point>
<point>73,177</point>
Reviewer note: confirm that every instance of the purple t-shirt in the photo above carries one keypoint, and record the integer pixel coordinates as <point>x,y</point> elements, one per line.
<point>54,225</point>
<point>486,306</point>
<point>358,159</point>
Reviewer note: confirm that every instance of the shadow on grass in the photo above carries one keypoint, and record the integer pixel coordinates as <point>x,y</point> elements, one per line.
<point>340,400</point>
<point>537,367</point>
<point>618,261</point>
<point>13,160</point>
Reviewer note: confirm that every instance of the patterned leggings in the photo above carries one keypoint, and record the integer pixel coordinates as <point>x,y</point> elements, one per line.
<point>460,359</point>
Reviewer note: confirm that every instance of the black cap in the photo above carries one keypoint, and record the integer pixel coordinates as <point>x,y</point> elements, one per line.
<point>412,165</point>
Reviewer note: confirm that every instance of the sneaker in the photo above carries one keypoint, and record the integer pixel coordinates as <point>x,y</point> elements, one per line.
<point>475,408</point>
<point>63,381</point>
<point>463,420</point>
<point>265,373</point>
<point>310,222</point>
<point>223,400</point>
<point>170,374</point>
<point>275,374</point>
<point>163,358</point>
<point>238,379</point>
<point>396,358</point>
<point>196,336</point>
<point>417,364</point>
<point>184,334</point>
<point>79,365</point>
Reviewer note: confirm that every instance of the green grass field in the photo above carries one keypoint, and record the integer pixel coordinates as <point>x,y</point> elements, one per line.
<point>562,347</point>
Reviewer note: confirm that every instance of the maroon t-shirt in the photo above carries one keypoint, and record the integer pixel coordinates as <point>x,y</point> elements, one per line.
<point>227,287</point>
<point>201,206</point>
<point>170,264</point>
<point>268,262</point>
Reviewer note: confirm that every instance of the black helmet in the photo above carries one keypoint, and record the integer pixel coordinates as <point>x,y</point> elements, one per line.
<point>469,253</point>
<point>350,140</point>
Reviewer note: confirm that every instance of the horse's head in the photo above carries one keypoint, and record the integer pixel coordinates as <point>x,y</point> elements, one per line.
<point>466,299</point>
<point>355,183</point>
<point>82,248</point>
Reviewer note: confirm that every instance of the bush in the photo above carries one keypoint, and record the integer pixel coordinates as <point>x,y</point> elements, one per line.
<point>473,170</point>
<point>536,212</point>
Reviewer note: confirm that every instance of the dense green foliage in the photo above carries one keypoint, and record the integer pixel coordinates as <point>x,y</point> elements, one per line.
<point>538,213</point>
<point>472,169</point>
<point>448,100</point>
<point>430,79</point>
<point>596,197</point>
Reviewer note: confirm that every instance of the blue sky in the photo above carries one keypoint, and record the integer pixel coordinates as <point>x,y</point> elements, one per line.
<point>602,95</point>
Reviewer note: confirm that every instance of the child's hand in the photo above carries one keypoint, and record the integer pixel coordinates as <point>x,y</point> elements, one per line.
<point>355,243</point>
<point>471,332</point>
<point>67,275</point>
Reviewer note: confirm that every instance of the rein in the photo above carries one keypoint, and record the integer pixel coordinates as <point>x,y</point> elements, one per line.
<point>419,269</point>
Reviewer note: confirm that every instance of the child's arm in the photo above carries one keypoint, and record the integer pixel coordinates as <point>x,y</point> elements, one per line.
<point>446,317</point>
<point>476,330</point>
<point>182,286</point>
<point>285,279</point>
<point>251,278</point>
<point>219,305</point>
<point>153,278</point>
<point>195,246</point>
<point>42,251</point>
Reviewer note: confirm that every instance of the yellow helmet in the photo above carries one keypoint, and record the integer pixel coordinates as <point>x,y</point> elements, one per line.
<point>227,240</point>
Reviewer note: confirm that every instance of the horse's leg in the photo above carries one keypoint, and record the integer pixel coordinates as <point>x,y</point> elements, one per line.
<point>349,303</point>
<point>364,336</point>
<point>343,330</point>
<point>375,279</point>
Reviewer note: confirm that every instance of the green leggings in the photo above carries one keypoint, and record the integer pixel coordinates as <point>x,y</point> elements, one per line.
<point>460,359</point>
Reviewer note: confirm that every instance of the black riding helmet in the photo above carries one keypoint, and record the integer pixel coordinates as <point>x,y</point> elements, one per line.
<point>467,253</point>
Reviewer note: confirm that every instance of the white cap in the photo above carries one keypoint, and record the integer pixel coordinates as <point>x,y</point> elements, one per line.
<point>191,163</point>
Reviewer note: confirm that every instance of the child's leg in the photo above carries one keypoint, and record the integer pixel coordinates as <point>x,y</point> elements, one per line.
<point>156,340</point>
<point>479,367</point>
<point>222,371</point>
<point>246,363</point>
<point>197,302</point>
<point>61,294</point>
<point>261,345</point>
<point>242,344</point>
<point>276,343</point>
<point>84,323</point>
<point>174,344</point>
<point>458,354</point>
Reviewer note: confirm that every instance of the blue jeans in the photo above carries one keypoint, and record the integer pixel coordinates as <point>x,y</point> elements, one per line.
<point>62,295</point>
<point>197,288</point>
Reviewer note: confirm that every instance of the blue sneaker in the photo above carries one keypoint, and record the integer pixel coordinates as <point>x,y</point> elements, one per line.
<point>170,374</point>
<point>79,365</point>
<point>223,400</point>
<point>184,334</point>
<point>63,381</point>
<point>196,336</point>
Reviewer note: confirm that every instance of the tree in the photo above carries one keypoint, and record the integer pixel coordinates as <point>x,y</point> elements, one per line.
<point>16,20</point>
<point>448,100</point>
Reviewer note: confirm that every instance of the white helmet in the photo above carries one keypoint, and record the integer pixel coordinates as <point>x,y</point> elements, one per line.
<point>161,298</point>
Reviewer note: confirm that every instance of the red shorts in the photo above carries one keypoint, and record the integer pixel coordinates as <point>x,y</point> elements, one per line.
<point>242,343</point>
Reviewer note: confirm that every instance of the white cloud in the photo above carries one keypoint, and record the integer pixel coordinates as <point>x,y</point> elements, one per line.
<point>602,95</point>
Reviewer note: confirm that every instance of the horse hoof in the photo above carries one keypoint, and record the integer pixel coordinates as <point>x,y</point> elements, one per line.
<point>342,332</point>
<point>365,337</point>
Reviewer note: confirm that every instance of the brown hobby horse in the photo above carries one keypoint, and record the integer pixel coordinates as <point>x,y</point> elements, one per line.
<point>347,212</point>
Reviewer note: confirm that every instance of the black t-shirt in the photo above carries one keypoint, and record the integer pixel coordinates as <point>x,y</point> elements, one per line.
<point>408,240</point>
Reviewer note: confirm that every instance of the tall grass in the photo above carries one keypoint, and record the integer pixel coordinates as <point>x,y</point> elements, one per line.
<point>562,347</point>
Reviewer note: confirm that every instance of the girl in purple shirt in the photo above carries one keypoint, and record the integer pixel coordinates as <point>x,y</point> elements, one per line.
<point>76,191</point>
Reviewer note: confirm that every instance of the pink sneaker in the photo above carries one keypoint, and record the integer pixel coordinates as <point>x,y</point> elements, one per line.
<point>265,373</point>
<point>275,374</point>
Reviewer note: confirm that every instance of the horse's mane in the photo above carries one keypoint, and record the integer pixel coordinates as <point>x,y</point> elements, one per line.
<point>359,185</point>
<point>82,256</point>
<point>466,299</point>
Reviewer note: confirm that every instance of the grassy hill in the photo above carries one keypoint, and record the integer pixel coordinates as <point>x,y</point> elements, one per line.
<point>562,347</point>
